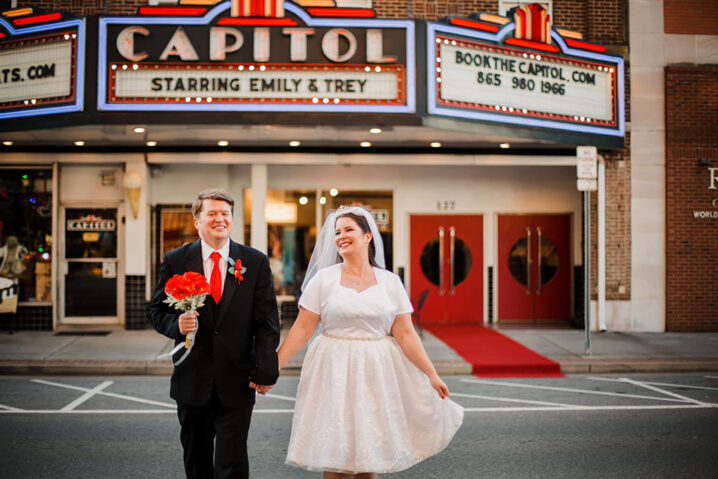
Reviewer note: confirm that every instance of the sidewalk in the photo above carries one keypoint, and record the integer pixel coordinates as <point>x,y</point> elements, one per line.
<point>134,352</point>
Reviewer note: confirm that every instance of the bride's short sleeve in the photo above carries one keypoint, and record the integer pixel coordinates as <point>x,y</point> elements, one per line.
<point>311,296</point>
<point>402,303</point>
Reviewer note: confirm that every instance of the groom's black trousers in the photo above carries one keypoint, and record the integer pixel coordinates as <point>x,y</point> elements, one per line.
<point>199,427</point>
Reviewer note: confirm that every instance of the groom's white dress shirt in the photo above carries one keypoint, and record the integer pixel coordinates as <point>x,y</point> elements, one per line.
<point>208,263</point>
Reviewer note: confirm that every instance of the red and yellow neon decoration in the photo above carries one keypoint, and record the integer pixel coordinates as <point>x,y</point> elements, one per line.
<point>533,23</point>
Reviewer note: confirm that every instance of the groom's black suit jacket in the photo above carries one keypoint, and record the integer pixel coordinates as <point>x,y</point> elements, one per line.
<point>236,340</point>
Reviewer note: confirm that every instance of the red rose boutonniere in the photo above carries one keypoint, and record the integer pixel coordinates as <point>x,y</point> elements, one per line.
<point>236,269</point>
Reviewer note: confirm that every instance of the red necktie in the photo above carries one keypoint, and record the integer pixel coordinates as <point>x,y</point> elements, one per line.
<point>215,281</point>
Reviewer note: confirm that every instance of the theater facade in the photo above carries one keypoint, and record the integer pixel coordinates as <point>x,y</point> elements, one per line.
<point>456,125</point>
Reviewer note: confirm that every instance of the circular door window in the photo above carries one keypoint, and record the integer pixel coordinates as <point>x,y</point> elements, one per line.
<point>549,261</point>
<point>518,261</point>
<point>430,261</point>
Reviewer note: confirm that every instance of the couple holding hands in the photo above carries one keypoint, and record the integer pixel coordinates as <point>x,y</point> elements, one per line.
<point>369,400</point>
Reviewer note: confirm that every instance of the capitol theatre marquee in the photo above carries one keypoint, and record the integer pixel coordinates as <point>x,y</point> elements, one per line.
<point>256,56</point>
<point>42,58</point>
<point>522,71</point>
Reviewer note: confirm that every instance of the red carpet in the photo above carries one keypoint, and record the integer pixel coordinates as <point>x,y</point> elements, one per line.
<point>491,353</point>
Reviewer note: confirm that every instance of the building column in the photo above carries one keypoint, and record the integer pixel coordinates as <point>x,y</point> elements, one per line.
<point>647,130</point>
<point>258,237</point>
<point>137,240</point>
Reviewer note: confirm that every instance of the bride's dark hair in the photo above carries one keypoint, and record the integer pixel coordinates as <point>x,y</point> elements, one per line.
<point>364,226</point>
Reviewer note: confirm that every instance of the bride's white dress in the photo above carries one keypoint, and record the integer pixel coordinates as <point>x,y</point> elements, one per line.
<point>362,406</point>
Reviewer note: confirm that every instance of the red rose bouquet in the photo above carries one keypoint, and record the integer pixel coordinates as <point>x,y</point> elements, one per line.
<point>187,293</point>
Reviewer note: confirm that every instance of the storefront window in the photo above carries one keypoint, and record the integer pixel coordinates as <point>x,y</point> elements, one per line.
<point>26,232</point>
<point>291,228</point>
<point>291,231</point>
<point>172,227</point>
<point>176,228</point>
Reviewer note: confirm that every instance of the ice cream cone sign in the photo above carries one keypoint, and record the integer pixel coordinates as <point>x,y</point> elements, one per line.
<point>133,181</point>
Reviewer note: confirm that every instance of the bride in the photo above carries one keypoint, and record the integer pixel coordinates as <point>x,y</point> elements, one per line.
<point>367,402</point>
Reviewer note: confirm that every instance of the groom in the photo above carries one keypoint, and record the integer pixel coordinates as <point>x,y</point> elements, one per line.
<point>236,342</point>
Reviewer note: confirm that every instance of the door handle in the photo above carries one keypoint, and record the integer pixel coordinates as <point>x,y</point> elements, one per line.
<point>528,260</point>
<point>441,260</point>
<point>538,259</point>
<point>452,238</point>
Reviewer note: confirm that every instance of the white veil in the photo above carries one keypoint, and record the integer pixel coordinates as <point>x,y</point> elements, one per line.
<point>325,251</point>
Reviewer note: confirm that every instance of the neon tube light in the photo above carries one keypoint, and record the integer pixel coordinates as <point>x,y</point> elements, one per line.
<point>461,22</point>
<point>173,11</point>
<point>38,19</point>
<point>584,45</point>
<point>341,12</point>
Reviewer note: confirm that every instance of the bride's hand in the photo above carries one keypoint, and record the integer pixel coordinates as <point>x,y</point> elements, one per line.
<point>441,388</point>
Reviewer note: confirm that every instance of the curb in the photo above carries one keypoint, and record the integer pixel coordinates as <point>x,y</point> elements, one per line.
<point>448,368</point>
<point>151,368</point>
<point>84,367</point>
<point>638,365</point>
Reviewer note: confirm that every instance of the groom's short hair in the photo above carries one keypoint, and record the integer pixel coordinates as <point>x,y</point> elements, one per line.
<point>211,194</point>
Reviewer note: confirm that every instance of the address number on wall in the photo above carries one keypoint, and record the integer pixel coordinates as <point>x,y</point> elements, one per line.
<point>446,205</point>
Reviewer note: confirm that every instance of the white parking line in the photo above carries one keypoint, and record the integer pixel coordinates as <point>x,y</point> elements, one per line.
<point>586,408</point>
<point>86,396</point>
<point>679,401</point>
<point>581,391</point>
<point>663,391</point>
<point>104,393</point>
<point>123,411</point>
<point>8,408</point>
<point>687,386</point>
<point>502,399</point>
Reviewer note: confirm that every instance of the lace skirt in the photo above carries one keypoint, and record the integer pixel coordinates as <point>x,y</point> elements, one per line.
<point>362,406</point>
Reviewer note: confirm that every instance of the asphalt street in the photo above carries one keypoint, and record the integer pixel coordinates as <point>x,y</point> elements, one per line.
<point>579,426</point>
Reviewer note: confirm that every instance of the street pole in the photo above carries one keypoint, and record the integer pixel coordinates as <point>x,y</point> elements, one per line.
<point>587,269</point>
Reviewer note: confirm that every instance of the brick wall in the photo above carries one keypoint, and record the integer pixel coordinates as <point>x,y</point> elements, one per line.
<point>691,243</point>
<point>618,226</point>
<point>690,17</point>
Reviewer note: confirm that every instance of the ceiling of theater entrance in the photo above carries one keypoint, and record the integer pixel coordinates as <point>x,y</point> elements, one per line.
<point>275,136</point>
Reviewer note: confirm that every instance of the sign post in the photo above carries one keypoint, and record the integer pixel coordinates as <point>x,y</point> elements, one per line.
<point>586,181</point>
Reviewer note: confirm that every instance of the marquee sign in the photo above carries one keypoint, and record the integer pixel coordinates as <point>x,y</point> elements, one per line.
<point>523,72</point>
<point>256,56</point>
<point>41,63</point>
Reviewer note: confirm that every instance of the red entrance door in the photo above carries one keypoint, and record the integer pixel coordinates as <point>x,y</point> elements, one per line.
<point>534,268</point>
<point>447,265</point>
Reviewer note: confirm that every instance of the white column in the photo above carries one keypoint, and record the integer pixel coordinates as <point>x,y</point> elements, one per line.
<point>647,126</point>
<point>601,244</point>
<point>136,229</point>
<point>258,237</point>
<point>56,232</point>
<point>318,210</point>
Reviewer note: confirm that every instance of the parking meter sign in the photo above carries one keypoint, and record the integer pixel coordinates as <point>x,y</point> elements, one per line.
<point>586,162</point>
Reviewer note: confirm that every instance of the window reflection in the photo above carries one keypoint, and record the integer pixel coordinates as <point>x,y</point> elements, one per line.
<point>26,231</point>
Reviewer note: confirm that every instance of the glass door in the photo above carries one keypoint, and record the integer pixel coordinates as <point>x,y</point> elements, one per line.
<point>90,266</point>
